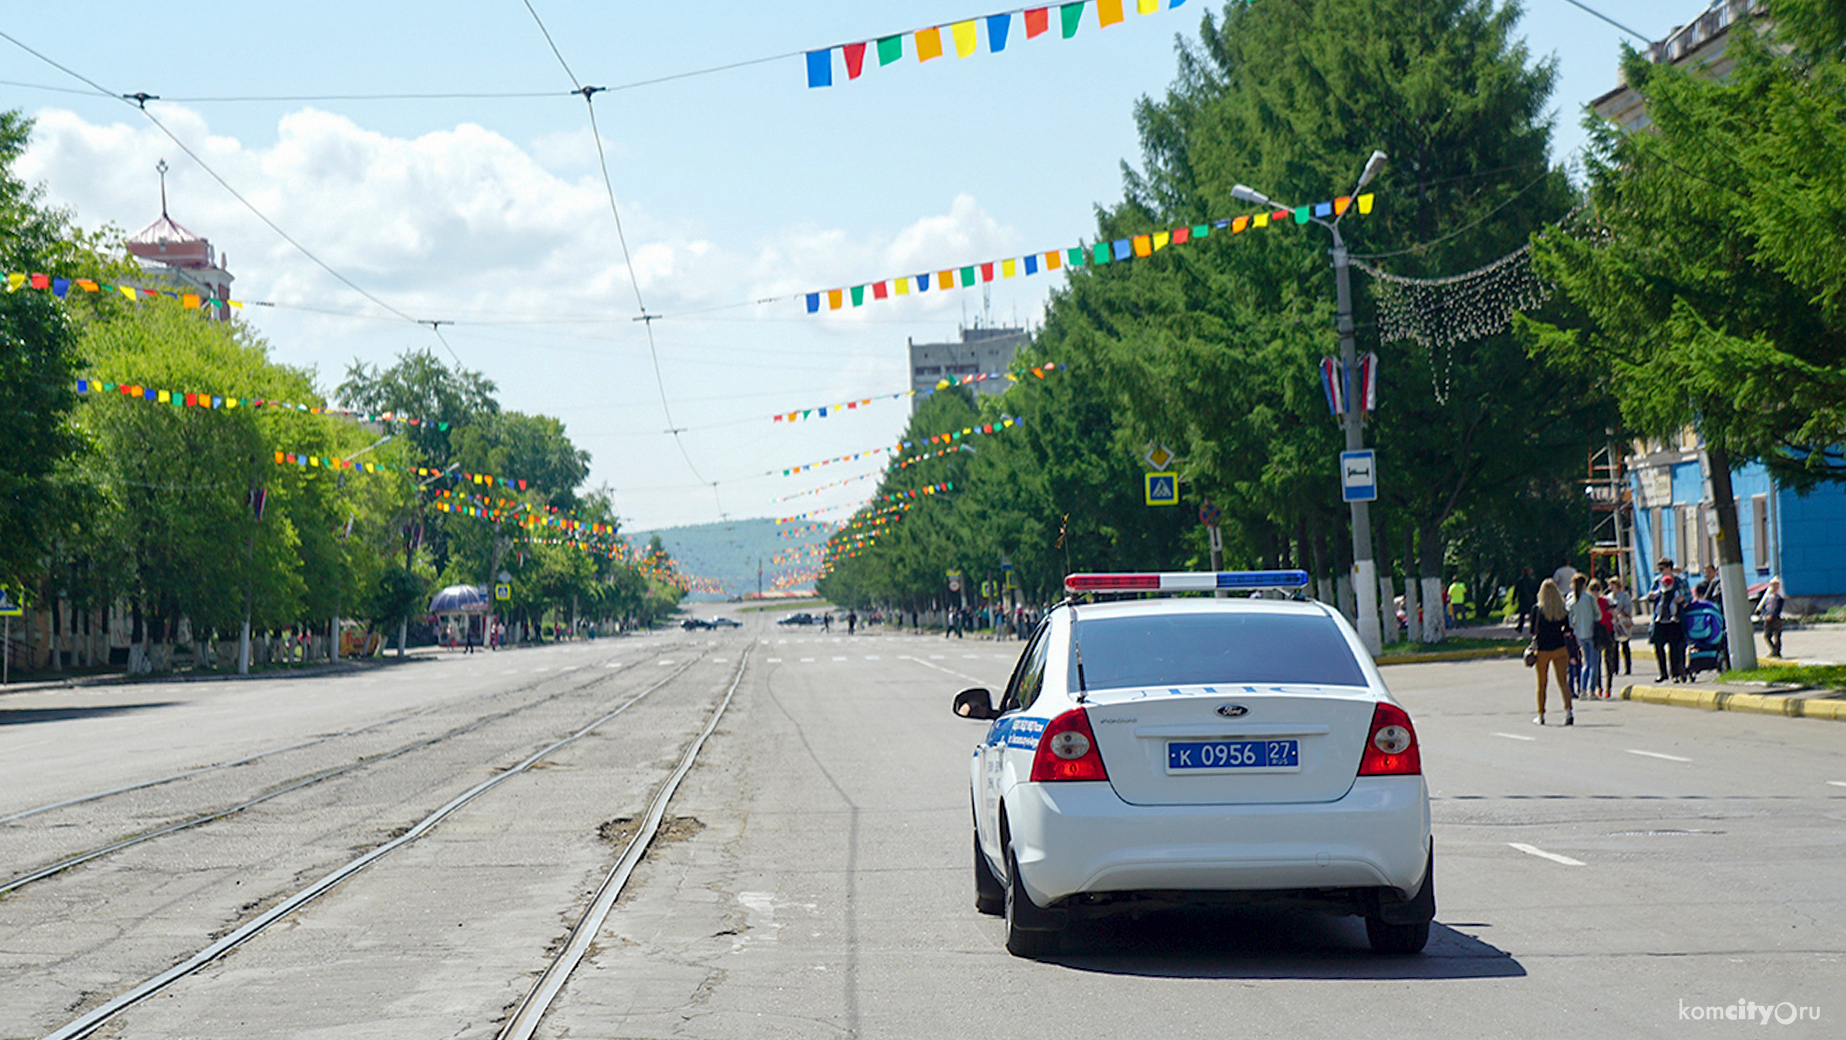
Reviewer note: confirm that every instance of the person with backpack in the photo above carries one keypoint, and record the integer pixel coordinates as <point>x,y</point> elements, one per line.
<point>1669,597</point>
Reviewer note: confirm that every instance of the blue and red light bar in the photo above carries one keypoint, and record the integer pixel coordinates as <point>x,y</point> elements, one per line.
<point>1185,581</point>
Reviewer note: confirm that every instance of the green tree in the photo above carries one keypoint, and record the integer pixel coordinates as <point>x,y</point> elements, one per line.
<point>39,361</point>
<point>1212,347</point>
<point>1708,265</point>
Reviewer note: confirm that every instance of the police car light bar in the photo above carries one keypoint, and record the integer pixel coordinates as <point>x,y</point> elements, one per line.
<point>1185,581</point>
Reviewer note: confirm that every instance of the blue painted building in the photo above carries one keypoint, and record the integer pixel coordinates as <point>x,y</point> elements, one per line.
<point>1801,539</point>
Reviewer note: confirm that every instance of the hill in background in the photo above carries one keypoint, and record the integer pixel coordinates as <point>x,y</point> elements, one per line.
<point>728,553</point>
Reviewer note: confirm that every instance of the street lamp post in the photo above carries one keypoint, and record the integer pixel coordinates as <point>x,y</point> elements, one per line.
<point>1365,570</point>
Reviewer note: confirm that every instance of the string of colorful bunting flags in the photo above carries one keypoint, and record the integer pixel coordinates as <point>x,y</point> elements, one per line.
<point>965,36</point>
<point>61,287</point>
<point>1121,249</point>
<point>187,399</point>
<point>1006,422</point>
<point>822,411</point>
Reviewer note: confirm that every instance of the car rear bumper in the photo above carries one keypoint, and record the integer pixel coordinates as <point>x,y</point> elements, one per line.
<point>1074,838</point>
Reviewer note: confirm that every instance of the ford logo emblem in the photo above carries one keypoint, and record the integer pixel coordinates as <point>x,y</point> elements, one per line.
<point>1233,711</point>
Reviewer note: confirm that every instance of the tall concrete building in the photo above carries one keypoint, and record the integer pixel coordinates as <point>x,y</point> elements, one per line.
<point>980,351</point>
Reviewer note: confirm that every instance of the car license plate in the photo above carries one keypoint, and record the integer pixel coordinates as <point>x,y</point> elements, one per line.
<point>1186,755</point>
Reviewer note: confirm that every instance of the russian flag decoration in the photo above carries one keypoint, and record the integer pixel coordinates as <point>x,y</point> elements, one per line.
<point>1333,384</point>
<point>1368,382</point>
<point>927,42</point>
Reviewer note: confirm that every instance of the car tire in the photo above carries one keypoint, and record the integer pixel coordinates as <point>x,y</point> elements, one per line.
<point>1405,937</point>
<point>1396,939</point>
<point>989,893</point>
<point>1023,942</point>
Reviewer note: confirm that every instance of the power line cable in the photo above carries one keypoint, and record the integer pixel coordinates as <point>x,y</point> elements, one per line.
<point>140,101</point>
<point>647,320</point>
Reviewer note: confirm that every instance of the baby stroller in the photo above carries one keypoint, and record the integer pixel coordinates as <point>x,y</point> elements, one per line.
<point>1706,649</point>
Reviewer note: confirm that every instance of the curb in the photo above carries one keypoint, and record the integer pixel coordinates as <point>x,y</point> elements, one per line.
<point>1451,655</point>
<point>1723,700</point>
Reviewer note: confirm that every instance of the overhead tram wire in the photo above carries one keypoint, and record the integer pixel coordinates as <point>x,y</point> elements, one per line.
<point>647,320</point>
<point>139,101</point>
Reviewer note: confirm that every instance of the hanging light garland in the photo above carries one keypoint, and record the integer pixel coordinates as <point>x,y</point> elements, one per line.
<point>1438,313</point>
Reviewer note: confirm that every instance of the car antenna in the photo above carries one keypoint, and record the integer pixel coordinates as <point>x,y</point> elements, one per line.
<point>1083,689</point>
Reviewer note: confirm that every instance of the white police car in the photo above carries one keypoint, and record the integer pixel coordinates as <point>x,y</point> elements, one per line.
<point>1198,750</point>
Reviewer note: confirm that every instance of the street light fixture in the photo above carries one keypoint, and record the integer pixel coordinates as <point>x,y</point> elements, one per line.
<point>1365,570</point>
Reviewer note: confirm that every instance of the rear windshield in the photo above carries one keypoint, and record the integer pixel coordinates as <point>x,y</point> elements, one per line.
<point>1190,649</point>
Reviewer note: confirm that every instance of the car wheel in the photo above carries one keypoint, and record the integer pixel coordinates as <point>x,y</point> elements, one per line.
<point>1386,937</point>
<point>989,893</point>
<point>1023,942</point>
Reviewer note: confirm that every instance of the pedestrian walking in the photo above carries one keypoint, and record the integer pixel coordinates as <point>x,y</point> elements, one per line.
<point>1770,608</point>
<point>1583,617</point>
<point>1669,598</point>
<point>852,621</point>
<point>1621,609</point>
<point>1458,602</point>
<point>1603,641</point>
<point>1525,594</point>
<point>1551,640</point>
<point>953,624</point>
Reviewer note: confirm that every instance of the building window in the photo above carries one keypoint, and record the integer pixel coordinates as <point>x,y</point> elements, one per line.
<point>929,370</point>
<point>963,370</point>
<point>1759,530</point>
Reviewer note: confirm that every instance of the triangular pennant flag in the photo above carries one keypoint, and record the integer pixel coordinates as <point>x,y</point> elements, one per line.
<point>878,291</point>
<point>997,26</point>
<point>1073,17</point>
<point>1365,204</point>
<point>901,285</point>
<point>890,48</point>
<point>1108,12</point>
<point>1143,245</point>
<point>855,59</point>
<point>967,277</point>
<point>813,302</point>
<point>858,296</point>
<point>1037,21</point>
<point>1161,238</point>
<point>1031,264</point>
<point>834,299</point>
<point>987,271</point>
<point>1007,269</point>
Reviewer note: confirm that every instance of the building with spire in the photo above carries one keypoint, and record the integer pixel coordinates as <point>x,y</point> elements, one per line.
<point>174,259</point>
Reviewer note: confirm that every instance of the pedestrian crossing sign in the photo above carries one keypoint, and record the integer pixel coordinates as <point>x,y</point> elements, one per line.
<point>1162,489</point>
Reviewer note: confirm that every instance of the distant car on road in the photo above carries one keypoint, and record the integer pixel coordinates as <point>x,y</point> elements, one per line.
<point>1186,751</point>
<point>799,619</point>
<point>692,622</point>
<point>726,622</point>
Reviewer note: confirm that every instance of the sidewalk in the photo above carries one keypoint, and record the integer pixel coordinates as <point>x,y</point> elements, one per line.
<point>1819,644</point>
<point>44,681</point>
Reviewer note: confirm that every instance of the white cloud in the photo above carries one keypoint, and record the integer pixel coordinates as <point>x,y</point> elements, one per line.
<point>463,223</point>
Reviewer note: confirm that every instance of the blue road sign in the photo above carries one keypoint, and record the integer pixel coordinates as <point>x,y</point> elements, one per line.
<point>1358,476</point>
<point>1162,489</point>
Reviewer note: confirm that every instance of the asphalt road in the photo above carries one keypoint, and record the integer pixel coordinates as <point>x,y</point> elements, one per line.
<point>1621,877</point>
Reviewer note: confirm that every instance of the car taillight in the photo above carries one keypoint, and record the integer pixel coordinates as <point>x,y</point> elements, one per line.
<point>1391,746</point>
<point>1067,750</point>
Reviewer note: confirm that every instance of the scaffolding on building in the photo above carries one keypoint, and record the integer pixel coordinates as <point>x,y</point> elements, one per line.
<point>1612,503</point>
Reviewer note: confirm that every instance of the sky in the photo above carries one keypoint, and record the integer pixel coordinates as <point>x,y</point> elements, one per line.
<point>491,217</point>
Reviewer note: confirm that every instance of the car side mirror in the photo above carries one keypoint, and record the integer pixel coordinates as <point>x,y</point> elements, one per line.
<point>975,703</point>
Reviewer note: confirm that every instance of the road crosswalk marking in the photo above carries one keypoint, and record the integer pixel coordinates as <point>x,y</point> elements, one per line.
<point>1542,854</point>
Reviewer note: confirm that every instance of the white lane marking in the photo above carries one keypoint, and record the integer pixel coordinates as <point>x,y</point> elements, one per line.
<point>1656,754</point>
<point>1838,783</point>
<point>665,664</point>
<point>971,657</point>
<point>807,660</point>
<point>1515,736</point>
<point>613,664</point>
<point>774,660</point>
<point>839,659</point>
<point>939,668</point>
<point>542,668</point>
<point>871,657</point>
<point>1542,854</point>
<point>934,657</point>
<point>721,660</point>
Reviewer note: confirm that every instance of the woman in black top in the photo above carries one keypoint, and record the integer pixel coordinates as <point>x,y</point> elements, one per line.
<point>1551,637</point>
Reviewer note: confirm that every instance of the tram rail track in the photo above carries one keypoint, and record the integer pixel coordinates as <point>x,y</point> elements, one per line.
<point>101,1015</point>
<point>274,791</point>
